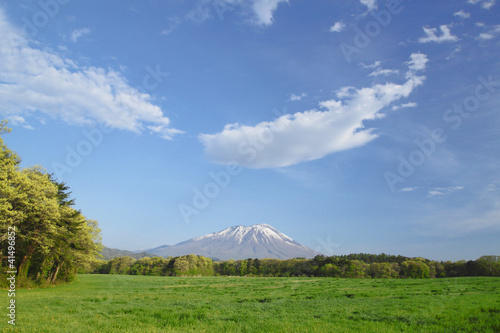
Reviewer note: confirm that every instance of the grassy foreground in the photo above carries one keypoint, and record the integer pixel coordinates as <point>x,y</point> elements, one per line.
<point>120,303</point>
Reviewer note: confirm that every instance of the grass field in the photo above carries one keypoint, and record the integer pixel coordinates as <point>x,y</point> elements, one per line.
<point>119,303</point>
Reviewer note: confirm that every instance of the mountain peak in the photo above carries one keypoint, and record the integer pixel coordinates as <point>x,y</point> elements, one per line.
<point>240,242</point>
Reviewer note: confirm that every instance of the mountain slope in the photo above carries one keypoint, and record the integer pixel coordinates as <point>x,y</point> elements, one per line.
<point>109,253</point>
<point>239,242</point>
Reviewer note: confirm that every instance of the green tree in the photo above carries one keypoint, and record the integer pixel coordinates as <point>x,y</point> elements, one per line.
<point>52,239</point>
<point>380,270</point>
<point>355,269</point>
<point>121,265</point>
<point>414,269</point>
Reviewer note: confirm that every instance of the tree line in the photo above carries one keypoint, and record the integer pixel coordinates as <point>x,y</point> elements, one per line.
<point>42,236</point>
<point>347,266</point>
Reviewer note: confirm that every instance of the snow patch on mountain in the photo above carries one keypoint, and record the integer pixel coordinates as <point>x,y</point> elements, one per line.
<point>240,242</point>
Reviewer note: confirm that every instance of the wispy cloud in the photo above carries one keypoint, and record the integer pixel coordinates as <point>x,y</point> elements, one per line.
<point>264,10</point>
<point>461,13</point>
<point>409,189</point>
<point>418,62</point>
<point>384,72</point>
<point>261,11</point>
<point>370,4</point>
<point>19,121</point>
<point>376,64</point>
<point>172,24</point>
<point>486,4</point>
<point>405,105</point>
<point>337,27</point>
<point>78,33</point>
<point>490,34</point>
<point>38,80</point>
<point>294,98</point>
<point>309,135</point>
<point>430,35</point>
<point>480,215</point>
<point>441,191</point>
<point>378,70</point>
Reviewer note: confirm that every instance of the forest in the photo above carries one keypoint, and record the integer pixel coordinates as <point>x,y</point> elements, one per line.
<point>347,266</point>
<point>42,236</point>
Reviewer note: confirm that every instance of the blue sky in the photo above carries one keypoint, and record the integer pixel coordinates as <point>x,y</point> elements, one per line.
<point>351,126</point>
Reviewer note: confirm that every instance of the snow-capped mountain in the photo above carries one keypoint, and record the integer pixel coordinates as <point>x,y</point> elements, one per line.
<point>239,242</point>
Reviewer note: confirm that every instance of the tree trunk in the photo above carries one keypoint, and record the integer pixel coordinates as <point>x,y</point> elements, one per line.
<point>22,272</point>
<point>54,277</point>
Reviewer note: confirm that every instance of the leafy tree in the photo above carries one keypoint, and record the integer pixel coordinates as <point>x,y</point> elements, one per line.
<point>436,269</point>
<point>52,239</point>
<point>355,269</point>
<point>414,269</point>
<point>380,270</point>
<point>121,265</point>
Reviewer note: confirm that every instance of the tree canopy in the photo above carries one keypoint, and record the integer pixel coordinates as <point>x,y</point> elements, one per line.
<point>52,239</point>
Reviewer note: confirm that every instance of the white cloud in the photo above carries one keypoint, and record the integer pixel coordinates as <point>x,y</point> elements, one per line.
<point>440,191</point>
<point>384,72</point>
<point>409,189</point>
<point>16,120</point>
<point>418,62</point>
<point>36,80</point>
<point>76,34</point>
<point>294,97</point>
<point>409,105</point>
<point>344,92</point>
<point>463,14</point>
<point>370,4</point>
<point>378,69</point>
<point>486,4</point>
<point>485,36</point>
<point>430,35</point>
<point>376,64</point>
<point>19,121</point>
<point>337,27</point>
<point>405,105</point>
<point>492,33</point>
<point>309,135</point>
<point>264,10</point>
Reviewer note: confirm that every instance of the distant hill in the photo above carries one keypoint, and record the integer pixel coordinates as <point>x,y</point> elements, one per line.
<point>109,253</point>
<point>240,242</point>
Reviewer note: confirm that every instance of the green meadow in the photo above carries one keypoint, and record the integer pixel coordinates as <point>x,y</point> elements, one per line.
<point>123,303</point>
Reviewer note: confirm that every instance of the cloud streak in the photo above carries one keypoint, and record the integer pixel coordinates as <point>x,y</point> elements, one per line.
<point>431,35</point>
<point>264,10</point>
<point>310,135</point>
<point>370,4</point>
<point>337,27</point>
<point>442,191</point>
<point>486,4</point>
<point>78,33</point>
